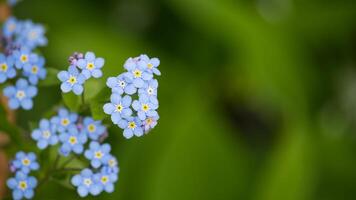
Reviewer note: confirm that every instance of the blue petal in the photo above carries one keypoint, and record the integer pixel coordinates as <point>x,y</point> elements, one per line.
<point>99,62</point>
<point>126,101</point>
<point>128,133</point>
<point>111,82</point>
<point>14,103</point>
<point>90,56</point>
<point>97,73</point>
<point>109,108</point>
<point>63,76</point>
<point>9,91</point>
<point>82,191</point>
<point>42,144</point>
<point>78,89</point>
<point>66,87</point>
<point>81,63</point>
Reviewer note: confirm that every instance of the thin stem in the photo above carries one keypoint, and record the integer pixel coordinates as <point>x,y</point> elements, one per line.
<point>67,162</point>
<point>67,169</point>
<point>48,173</point>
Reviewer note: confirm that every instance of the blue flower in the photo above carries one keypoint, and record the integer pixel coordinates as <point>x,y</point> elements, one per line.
<point>150,90</point>
<point>137,73</point>
<point>72,140</point>
<point>24,56</point>
<point>106,180</point>
<point>93,128</point>
<point>35,71</point>
<point>7,69</point>
<point>71,80</point>
<point>85,183</point>
<point>111,166</point>
<point>144,107</point>
<point>118,108</point>
<point>150,64</point>
<point>25,162</point>
<point>149,123</point>
<point>90,65</point>
<point>98,154</point>
<point>20,95</point>
<point>64,119</point>
<point>131,126</point>
<point>31,35</point>
<point>22,186</point>
<point>11,26</point>
<point>121,84</point>
<point>45,135</point>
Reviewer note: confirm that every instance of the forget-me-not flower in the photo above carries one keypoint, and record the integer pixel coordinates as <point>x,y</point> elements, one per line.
<point>98,154</point>
<point>45,135</point>
<point>149,123</point>
<point>93,128</point>
<point>121,84</point>
<point>118,108</point>
<point>20,95</point>
<point>64,119</point>
<point>35,70</point>
<point>25,162</point>
<point>24,56</point>
<point>132,126</point>
<point>7,69</point>
<point>111,165</point>
<point>150,64</point>
<point>71,80</point>
<point>22,186</point>
<point>90,65</point>
<point>72,140</point>
<point>144,107</point>
<point>106,180</point>
<point>137,73</point>
<point>85,183</point>
<point>10,27</point>
<point>150,90</point>
<point>32,35</point>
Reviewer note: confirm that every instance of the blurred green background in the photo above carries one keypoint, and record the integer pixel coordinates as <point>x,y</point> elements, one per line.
<point>257,97</point>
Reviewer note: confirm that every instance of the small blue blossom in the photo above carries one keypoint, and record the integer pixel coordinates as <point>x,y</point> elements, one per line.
<point>85,183</point>
<point>149,123</point>
<point>72,140</point>
<point>32,35</point>
<point>64,119</point>
<point>25,162</point>
<point>7,69</point>
<point>71,80</point>
<point>118,108</point>
<point>93,128</point>
<point>121,84</point>
<point>150,90</point>
<point>151,65</point>
<point>111,166</point>
<point>11,27</point>
<point>98,154</point>
<point>132,126</point>
<point>106,180</point>
<point>24,56</point>
<point>137,73</point>
<point>45,135</point>
<point>35,71</point>
<point>20,95</point>
<point>90,65</point>
<point>22,186</point>
<point>144,107</point>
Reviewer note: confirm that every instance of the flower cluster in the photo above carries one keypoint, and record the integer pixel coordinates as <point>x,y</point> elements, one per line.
<point>23,185</point>
<point>81,69</point>
<point>138,79</point>
<point>19,40</point>
<point>83,137</point>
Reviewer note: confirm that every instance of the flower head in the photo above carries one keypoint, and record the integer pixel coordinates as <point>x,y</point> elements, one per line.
<point>118,108</point>
<point>106,180</point>
<point>149,123</point>
<point>35,70</point>
<point>150,90</point>
<point>94,129</point>
<point>24,56</point>
<point>121,84</point>
<point>151,65</point>
<point>11,27</point>
<point>45,135</point>
<point>137,73</point>
<point>31,35</point>
<point>22,186</point>
<point>64,119</point>
<point>90,65</point>
<point>98,154</point>
<point>20,95</point>
<point>7,69</point>
<point>144,107</point>
<point>72,141</point>
<point>112,165</point>
<point>71,80</point>
<point>85,183</point>
<point>132,126</point>
<point>25,162</point>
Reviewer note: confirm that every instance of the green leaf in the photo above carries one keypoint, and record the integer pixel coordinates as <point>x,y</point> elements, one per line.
<point>97,103</point>
<point>92,88</point>
<point>72,101</point>
<point>51,78</point>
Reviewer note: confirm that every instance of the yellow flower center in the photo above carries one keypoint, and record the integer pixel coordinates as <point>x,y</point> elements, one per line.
<point>22,185</point>
<point>91,128</point>
<point>98,154</point>
<point>90,66</point>
<point>145,107</point>
<point>149,66</point>
<point>20,94</point>
<point>72,80</point>
<point>72,140</point>
<point>87,181</point>
<point>119,108</point>
<point>32,35</point>
<point>34,69</point>
<point>46,134</point>
<point>24,58</point>
<point>104,179</point>
<point>137,73</point>
<point>149,121</point>
<point>65,122</point>
<point>112,162</point>
<point>132,125</point>
<point>3,67</point>
<point>26,161</point>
